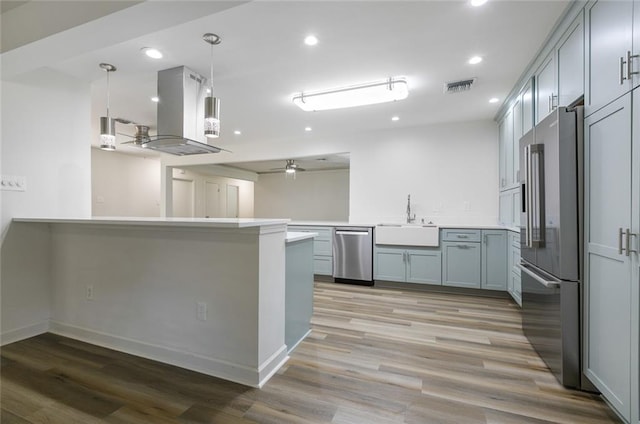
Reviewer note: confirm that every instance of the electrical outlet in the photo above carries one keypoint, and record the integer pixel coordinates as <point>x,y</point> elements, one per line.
<point>201,311</point>
<point>89,292</point>
<point>467,205</point>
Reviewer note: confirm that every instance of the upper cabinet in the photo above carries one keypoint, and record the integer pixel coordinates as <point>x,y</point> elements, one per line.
<point>571,63</point>
<point>612,61</point>
<point>546,88</point>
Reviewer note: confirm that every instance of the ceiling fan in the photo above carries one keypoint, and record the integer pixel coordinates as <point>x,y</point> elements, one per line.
<point>290,167</point>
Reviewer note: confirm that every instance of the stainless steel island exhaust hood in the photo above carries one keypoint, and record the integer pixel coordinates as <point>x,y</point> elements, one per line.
<point>181,94</point>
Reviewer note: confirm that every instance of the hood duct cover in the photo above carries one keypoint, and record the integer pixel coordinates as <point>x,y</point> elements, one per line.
<point>180,114</point>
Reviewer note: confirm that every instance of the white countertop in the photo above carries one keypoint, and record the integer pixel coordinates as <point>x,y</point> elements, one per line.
<point>349,224</point>
<point>165,222</point>
<point>297,236</point>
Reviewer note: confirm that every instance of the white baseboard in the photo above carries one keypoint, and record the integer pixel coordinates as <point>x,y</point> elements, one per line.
<point>248,376</point>
<point>22,333</point>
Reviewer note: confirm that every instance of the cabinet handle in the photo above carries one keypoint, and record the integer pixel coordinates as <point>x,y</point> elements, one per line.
<point>622,77</point>
<point>485,239</point>
<point>630,64</point>
<point>554,103</point>
<point>620,248</point>
<point>549,104</point>
<point>462,236</point>
<point>404,257</point>
<point>629,234</point>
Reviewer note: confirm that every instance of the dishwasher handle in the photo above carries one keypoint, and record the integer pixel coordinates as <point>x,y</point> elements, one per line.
<point>352,233</point>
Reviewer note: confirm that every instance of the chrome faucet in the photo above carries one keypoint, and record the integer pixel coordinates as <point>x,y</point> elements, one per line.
<point>410,219</point>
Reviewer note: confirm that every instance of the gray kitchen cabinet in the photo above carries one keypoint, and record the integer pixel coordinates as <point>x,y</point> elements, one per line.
<point>461,264</point>
<point>408,264</point>
<point>612,227</point>
<point>514,286</point>
<point>609,48</point>
<point>545,88</point>
<point>526,99</point>
<point>322,248</point>
<point>461,257</point>
<point>571,63</point>
<point>494,260</point>
<point>509,204</point>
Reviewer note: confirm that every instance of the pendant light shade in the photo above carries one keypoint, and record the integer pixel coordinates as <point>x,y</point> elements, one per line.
<point>211,103</point>
<point>107,125</point>
<point>212,117</point>
<point>107,133</point>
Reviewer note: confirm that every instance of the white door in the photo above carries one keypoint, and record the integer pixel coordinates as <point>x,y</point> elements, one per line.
<point>608,271</point>
<point>183,198</point>
<point>232,201</point>
<point>211,199</point>
<point>609,26</point>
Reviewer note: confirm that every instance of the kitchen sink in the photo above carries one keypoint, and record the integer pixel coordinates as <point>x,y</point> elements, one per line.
<point>427,235</point>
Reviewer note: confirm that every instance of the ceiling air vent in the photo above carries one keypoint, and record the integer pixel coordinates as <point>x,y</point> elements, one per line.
<point>458,86</point>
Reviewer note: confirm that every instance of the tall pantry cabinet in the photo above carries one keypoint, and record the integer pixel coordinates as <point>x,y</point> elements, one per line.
<point>612,203</point>
<point>596,51</point>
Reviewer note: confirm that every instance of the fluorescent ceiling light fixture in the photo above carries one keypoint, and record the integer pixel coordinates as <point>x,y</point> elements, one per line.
<point>494,100</point>
<point>477,3</point>
<point>311,40</point>
<point>155,99</point>
<point>387,90</point>
<point>152,53</point>
<point>307,129</point>
<point>475,60</point>
<point>395,118</point>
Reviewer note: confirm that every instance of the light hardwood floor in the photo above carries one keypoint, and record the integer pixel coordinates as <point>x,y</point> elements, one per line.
<point>374,356</point>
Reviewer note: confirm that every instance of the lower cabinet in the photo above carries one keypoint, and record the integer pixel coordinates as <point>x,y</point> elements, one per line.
<point>408,264</point>
<point>461,264</point>
<point>322,248</point>
<point>514,286</point>
<point>480,261</point>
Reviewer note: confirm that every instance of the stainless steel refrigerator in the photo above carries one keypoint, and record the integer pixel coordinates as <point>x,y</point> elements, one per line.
<point>551,241</point>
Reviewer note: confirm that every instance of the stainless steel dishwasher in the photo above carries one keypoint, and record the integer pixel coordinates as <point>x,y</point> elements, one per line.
<point>353,255</point>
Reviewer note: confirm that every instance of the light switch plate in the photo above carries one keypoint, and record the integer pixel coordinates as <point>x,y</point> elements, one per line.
<point>13,183</point>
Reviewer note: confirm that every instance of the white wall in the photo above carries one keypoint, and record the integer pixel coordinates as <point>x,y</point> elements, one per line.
<point>45,138</point>
<point>245,193</point>
<point>313,195</point>
<point>450,170</point>
<point>124,185</point>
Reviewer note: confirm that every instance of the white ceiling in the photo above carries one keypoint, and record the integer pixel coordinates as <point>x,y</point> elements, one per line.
<point>262,61</point>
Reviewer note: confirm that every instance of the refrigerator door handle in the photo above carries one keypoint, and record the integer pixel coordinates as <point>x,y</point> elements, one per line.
<point>529,196</point>
<point>539,219</point>
<point>550,284</point>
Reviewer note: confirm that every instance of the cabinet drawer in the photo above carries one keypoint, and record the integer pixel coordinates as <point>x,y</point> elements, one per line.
<point>461,235</point>
<point>324,233</point>
<point>323,265</point>
<point>322,246</point>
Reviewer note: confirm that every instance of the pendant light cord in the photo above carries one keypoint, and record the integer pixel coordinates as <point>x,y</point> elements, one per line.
<point>211,80</point>
<point>108,72</point>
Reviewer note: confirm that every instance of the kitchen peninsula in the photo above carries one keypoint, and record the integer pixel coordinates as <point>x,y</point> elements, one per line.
<point>203,294</point>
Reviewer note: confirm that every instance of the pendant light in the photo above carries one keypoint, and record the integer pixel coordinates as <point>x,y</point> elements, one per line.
<point>107,125</point>
<point>211,103</point>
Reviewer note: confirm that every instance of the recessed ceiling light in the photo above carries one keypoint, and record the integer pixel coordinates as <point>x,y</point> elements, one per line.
<point>152,53</point>
<point>475,60</point>
<point>477,3</point>
<point>395,118</point>
<point>494,100</point>
<point>237,132</point>
<point>307,129</point>
<point>155,99</point>
<point>311,40</point>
